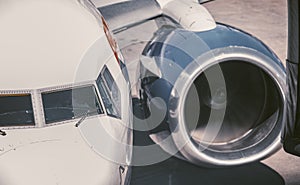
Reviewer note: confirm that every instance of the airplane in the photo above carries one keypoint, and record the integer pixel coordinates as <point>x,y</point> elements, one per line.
<point>212,94</point>
<point>59,114</point>
<point>220,91</point>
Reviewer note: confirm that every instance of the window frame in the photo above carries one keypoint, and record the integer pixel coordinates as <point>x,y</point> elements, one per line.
<point>33,103</point>
<point>109,88</point>
<point>38,106</point>
<point>69,87</point>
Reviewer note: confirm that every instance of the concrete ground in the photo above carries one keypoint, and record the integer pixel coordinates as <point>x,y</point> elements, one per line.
<point>266,20</point>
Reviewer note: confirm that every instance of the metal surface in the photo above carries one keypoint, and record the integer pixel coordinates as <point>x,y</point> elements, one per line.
<point>188,13</point>
<point>251,123</point>
<point>122,15</point>
<point>175,171</point>
<point>128,13</point>
<point>268,21</point>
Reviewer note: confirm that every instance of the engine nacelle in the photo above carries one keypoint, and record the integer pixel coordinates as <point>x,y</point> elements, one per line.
<point>223,92</point>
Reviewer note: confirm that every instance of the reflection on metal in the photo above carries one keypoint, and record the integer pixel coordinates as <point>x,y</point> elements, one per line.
<point>125,14</point>
<point>248,127</point>
<point>129,13</point>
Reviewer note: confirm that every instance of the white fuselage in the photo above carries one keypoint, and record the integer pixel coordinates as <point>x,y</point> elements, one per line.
<point>64,102</point>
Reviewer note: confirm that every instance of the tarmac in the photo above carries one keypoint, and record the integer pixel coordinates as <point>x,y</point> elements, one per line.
<point>266,20</point>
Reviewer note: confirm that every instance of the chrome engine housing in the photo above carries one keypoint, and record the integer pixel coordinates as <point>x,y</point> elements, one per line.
<point>222,91</point>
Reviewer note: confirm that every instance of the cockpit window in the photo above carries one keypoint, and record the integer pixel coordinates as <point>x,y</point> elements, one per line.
<point>70,104</point>
<point>16,110</point>
<point>110,93</point>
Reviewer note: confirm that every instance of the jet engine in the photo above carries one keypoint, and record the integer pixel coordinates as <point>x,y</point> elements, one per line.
<point>222,93</point>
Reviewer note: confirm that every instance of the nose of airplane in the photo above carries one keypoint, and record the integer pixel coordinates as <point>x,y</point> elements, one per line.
<point>58,161</point>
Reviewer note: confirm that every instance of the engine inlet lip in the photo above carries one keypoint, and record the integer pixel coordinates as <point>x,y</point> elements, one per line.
<point>198,66</point>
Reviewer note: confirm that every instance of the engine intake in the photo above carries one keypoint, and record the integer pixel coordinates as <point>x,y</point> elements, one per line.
<point>249,100</point>
<point>225,93</point>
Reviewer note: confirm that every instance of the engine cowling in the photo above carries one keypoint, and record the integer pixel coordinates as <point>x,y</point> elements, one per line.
<point>223,94</point>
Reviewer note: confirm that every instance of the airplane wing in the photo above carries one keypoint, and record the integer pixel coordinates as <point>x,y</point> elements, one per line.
<point>134,23</point>
<point>122,14</point>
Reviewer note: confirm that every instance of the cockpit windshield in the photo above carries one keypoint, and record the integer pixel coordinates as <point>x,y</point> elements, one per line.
<point>16,110</point>
<point>70,104</point>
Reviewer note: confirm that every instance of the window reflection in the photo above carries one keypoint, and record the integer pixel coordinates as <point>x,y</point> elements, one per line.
<point>70,104</point>
<point>16,110</point>
<point>110,93</point>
